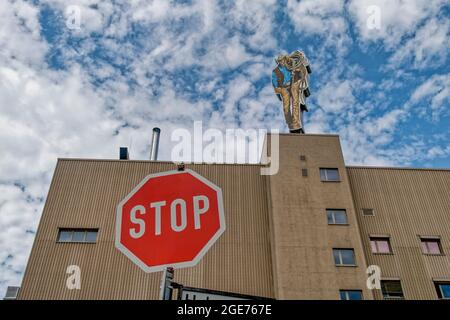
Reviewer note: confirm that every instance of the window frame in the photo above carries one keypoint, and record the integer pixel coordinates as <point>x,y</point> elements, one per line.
<point>347,291</point>
<point>333,211</point>
<point>425,240</point>
<point>376,239</point>
<point>439,292</point>
<point>386,296</point>
<point>341,259</point>
<point>72,232</point>
<point>326,175</point>
<point>368,215</point>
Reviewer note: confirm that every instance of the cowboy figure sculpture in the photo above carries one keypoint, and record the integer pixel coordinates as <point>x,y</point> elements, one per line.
<point>290,80</point>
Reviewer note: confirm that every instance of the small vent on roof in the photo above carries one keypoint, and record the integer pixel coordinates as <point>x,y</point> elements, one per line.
<point>123,153</point>
<point>11,293</point>
<point>367,212</point>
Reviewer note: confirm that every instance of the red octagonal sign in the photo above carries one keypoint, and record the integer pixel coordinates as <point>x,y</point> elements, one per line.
<point>170,219</point>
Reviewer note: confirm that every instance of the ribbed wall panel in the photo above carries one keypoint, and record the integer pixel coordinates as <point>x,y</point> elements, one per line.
<point>85,193</point>
<point>408,203</point>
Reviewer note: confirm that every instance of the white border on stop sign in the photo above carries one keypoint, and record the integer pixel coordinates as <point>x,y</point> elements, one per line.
<point>179,265</point>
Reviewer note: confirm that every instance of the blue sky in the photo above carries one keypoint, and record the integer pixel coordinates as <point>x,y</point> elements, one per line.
<point>133,65</point>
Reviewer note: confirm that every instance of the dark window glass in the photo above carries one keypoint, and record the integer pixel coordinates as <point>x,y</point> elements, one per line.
<point>351,294</point>
<point>65,236</point>
<point>443,290</point>
<point>329,174</point>
<point>91,236</point>
<point>347,257</point>
<point>337,216</point>
<point>368,212</point>
<point>337,256</point>
<point>330,218</point>
<point>323,175</point>
<point>392,289</point>
<point>344,257</point>
<point>77,235</point>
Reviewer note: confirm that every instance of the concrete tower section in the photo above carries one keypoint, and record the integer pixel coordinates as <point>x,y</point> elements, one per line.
<point>302,239</point>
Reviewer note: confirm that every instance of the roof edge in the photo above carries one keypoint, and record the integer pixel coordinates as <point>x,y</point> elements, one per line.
<point>397,168</point>
<point>159,161</point>
<point>305,134</point>
<point>245,164</point>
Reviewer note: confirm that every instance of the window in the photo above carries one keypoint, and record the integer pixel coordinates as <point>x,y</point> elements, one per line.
<point>304,172</point>
<point>443,289</point>
<point>350,294</point>
<point>329,174</point>
<point>77,235</point>
<point>380,245</point>
<point>391,289</point>
<point>344,257</point>
<point>431,245</point>
<point>337,216</point>
<point>367,212</point>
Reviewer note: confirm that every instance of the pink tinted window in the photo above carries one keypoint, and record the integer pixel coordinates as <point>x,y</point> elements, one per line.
<point>380,245</point>
<point>373,244</point>
<point>383,246</point>
<point>431,246</point>
<point>424,246</point>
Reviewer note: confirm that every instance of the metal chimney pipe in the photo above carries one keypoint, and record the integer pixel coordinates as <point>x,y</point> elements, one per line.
<point>155,144</point>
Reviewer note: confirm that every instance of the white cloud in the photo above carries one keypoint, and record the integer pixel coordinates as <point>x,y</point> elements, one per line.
<point>336,95</point>
<point>20,33</point>
<point>237,89</point>
<point>317,16</point>
<point>399,18</point>
<point>433,96</point>
<point>428,48</point>
<point>324,18</point>
<point>257,17</point>
<point>235,53</point>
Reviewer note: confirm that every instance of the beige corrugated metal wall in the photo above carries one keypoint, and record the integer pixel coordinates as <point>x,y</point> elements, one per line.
<point>85,193</point>
<point>408,203</point>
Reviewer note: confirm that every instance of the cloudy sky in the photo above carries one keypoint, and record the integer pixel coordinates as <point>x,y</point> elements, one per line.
<point>382,82</point>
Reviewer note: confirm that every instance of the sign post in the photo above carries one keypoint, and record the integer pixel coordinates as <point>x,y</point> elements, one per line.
<point>166,289</point>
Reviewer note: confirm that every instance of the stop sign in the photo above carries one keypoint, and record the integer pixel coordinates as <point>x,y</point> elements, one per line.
<point>169,219</point>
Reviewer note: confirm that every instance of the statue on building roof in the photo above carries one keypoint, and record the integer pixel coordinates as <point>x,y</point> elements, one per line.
<point>290,80</point>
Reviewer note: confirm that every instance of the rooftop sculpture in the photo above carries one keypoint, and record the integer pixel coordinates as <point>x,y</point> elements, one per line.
<point>290,80</point>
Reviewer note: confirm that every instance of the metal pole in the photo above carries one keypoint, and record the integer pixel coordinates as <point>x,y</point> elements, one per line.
<point>166,289</point>
<point>165,292</point>
<point>155,144</point>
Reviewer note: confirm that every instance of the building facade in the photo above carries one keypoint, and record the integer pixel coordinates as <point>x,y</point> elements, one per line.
<point>308,232</point>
